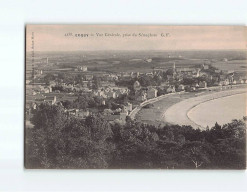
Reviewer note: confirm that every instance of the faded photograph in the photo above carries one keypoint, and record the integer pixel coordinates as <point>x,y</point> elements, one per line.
<point>135,97</point>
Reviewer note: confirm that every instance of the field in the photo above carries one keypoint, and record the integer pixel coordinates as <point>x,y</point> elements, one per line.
<point>236,65</point>
<point>135,61</point>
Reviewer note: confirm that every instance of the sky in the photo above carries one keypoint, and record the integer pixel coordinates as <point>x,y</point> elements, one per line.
<point>52,37</point>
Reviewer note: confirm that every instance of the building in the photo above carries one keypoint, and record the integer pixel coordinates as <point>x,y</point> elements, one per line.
<point>39,72</point>
<point>240,81</point>
<point>51,100</point>
<point>127,108</point>
<point>111,94</point>
<point>171,89</point>
<point>46,90</point>
<point>121,117</point>
<point>151,93</point>
<point>107,84</point>
<point>197,73</point>
<point>224,82</point>
<point>205,67</point>
<point>141,96</point>
<point>137,86</point>
<point>107,112</point>
<point>84,69</point>
<point>100,93</point>
<point>88,77</point>
<point>195,85</point>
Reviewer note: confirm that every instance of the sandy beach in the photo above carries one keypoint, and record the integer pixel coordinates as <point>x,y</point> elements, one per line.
<point>178,113</point>
<point>174,108</point>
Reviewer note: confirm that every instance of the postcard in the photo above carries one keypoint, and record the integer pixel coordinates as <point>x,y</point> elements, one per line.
<point>135,97</point>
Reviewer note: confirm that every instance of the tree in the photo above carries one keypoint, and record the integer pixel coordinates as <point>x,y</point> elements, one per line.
<point>48,116</point>
<point>70,143</point>
<point>196,153</point>
<point>49,77</point>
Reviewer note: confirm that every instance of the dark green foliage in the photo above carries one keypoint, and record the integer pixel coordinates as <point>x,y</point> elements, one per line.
<point>61,141</point>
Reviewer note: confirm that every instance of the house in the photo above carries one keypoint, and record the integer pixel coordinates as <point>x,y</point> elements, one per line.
<point>151,93</point>
<point>224,82</point>
<point>192,89</point>
<point>46,90</point>
<point>78,113</point>
<point>84,83</point>
<point>100,93</point>
<point>111,94</point>
<point>34,106</point>
<point>137,86</point>
<point>203,84</point>
<point>196,73</point>
<point>135,74</point>
<point>171,89</point>
<point>102,102</point>
<point>186,70</point>
<point>40,72</point>
<point>121,117</point>
<point>83,113</point>
<point>51,100</point>
<point>149,74</point>
<point>120,90</point>
<point>88,77</point>
<point>205,67</point>
<point>83,69</point>
<point>107,112</point>
<point>127,108</point>
<point>141,96</point>
<point>240,81</point>
<point>72,111</point>
<point>107,84</point>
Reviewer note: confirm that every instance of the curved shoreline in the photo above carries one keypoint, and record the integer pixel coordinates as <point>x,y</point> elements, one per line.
<point>211,100</point>
<point>178,113</point>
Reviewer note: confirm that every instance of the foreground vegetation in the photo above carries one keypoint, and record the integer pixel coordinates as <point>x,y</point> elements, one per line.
<point>61,141</point>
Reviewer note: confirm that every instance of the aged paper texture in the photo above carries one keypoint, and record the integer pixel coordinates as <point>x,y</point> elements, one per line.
<point>135,97</point>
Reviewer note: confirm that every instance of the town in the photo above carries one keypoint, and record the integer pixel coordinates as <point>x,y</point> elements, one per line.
<point>84,92</point>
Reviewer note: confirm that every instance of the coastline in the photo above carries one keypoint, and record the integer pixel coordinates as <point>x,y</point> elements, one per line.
<point>178,113</point>
<point>156,114</point>
<point>212,100</point>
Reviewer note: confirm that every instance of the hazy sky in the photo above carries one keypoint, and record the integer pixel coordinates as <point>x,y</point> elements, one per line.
<point>52,37</point>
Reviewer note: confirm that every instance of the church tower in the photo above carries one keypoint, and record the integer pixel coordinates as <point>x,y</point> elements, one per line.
<point>174,67</point>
